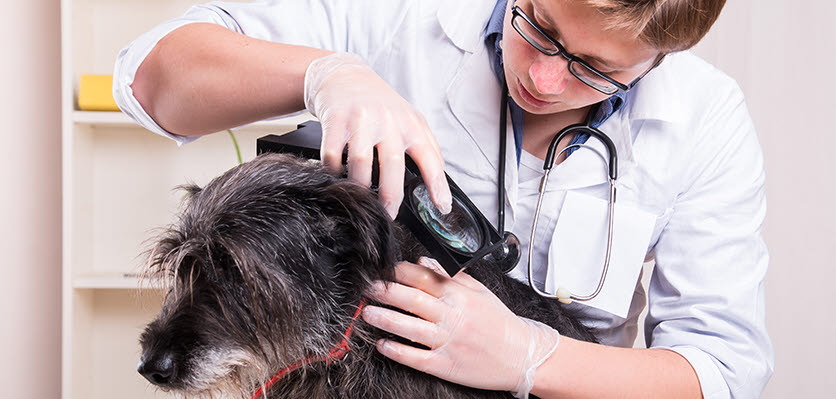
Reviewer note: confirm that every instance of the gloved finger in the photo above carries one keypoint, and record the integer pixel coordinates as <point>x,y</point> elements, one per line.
<point>426,155</point>
<point>468,281</point>
<point>421,278</point>
<point>390,156</point>
<point>428,135</point>
<point>409,299</point>
<point>361,155</point>
<point>433,265</point>
<point>403,325</point>
<point>419,359</point>
<point>335,133</point>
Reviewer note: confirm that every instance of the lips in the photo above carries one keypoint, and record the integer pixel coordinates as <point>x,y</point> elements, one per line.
<point>529,98</point>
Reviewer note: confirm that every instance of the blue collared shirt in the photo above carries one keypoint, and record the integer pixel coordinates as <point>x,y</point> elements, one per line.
<point>493,35</point>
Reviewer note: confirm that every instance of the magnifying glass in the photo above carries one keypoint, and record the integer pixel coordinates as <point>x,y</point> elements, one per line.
<point>460,238</point>
<point>456,240</point>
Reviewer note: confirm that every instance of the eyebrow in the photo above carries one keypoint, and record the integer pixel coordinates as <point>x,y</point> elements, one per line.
<point>553,26</point>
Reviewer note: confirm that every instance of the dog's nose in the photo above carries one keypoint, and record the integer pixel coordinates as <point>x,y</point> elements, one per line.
<point>158,369</point>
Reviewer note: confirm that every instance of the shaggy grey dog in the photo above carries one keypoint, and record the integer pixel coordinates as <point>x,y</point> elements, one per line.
<point>266,268</point>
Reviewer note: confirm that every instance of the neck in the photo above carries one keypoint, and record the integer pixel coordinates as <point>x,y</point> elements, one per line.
<point>539,130</point>
<point>335,354</point>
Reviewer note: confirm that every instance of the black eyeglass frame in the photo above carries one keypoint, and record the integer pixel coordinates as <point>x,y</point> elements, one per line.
<point>517,12</point>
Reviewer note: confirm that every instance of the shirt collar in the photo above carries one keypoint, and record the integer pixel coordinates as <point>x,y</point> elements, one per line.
<point>607,108</point>
<point>493,36</point>
<point>496,20</point>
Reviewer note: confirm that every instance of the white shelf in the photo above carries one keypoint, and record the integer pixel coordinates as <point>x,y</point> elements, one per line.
<point>102,118</point>
<point>117,188</point>
<point>113,281</point>
<point>115,119</point>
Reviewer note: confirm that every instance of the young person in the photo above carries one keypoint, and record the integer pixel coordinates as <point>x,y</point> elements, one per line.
<point>426,78</point>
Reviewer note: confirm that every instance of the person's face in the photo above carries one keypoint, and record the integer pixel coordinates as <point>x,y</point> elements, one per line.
<point>542,84</point>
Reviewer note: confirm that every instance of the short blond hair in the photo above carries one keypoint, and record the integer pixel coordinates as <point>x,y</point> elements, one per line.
<point>666,25</point>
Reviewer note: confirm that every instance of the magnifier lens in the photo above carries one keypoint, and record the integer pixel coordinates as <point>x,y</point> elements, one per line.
<point>507,255</point>
<point>457,229</point>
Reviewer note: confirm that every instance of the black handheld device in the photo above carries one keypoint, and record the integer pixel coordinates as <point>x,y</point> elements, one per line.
<point>455,240</point>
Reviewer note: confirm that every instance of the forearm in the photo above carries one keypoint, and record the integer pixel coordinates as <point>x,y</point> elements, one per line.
<point>203,78</point>
<point>584,370</point>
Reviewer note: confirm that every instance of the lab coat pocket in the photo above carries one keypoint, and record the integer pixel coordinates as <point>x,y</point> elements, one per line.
<point>579,245</point>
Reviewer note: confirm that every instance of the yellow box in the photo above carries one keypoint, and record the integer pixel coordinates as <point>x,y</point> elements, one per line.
<point>95,93</point>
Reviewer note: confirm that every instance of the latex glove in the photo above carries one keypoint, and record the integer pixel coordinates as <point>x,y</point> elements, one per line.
<point>357,108</point>
<point>473,338</point>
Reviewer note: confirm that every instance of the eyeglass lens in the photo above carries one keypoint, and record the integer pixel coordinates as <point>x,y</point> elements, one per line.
<point>535,38</point>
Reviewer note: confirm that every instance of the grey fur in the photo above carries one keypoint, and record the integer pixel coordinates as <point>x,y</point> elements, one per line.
<point>267,264</point>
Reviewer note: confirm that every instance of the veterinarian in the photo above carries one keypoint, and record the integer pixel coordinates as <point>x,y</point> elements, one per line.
<point>426,78</point>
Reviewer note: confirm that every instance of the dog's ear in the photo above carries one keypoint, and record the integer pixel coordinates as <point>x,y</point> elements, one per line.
<point>190,191</point>
<point>363,235</point>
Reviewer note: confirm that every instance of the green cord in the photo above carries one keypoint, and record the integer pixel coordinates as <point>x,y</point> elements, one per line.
<point>237,149</point>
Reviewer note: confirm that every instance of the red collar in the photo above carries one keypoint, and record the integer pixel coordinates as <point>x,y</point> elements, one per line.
<point>336,353</point>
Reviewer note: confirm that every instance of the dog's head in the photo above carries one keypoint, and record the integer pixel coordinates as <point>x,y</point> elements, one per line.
<point>262,268</point>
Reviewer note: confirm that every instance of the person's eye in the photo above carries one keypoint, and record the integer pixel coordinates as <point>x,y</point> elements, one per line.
<point>543,27</point>
<point>600,67</point>
<point>552,34</point>
<point>549,32</point>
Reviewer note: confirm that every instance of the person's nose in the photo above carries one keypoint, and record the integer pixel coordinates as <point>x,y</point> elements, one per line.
<point>550,74</point>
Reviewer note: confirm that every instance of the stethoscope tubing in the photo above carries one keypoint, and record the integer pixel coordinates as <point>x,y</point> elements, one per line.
<point>612,162</point>
<point>562,294</point>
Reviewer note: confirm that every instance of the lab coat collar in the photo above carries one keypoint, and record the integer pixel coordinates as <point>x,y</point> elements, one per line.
<point>585,168</point>
<point>467,33</point>
<point>656,95</point>
<point>474,97</point>
<point>654,98</point>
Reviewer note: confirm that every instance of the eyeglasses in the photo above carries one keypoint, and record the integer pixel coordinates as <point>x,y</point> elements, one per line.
<point>593,78</point>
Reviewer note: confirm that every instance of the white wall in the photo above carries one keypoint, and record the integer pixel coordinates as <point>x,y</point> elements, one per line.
<point>30,199</point>
<point>783,54</point>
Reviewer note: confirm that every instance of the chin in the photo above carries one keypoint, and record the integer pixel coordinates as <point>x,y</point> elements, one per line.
<point>531,109</point>
<point>549,110</point>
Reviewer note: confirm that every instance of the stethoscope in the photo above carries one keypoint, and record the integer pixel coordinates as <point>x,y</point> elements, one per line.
<point>562,294</point>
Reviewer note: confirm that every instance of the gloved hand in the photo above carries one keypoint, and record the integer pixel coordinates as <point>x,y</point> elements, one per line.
<point>357,108</point>
<point>473,339</point>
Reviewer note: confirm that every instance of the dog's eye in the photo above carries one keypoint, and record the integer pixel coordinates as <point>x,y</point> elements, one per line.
<point>189,271</point>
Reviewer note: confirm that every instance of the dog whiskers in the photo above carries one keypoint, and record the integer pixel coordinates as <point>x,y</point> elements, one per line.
<point>215,370</point>
<point>265,268</point>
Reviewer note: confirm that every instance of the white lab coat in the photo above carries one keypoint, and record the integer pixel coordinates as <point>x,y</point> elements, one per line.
<point>689,162</point>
